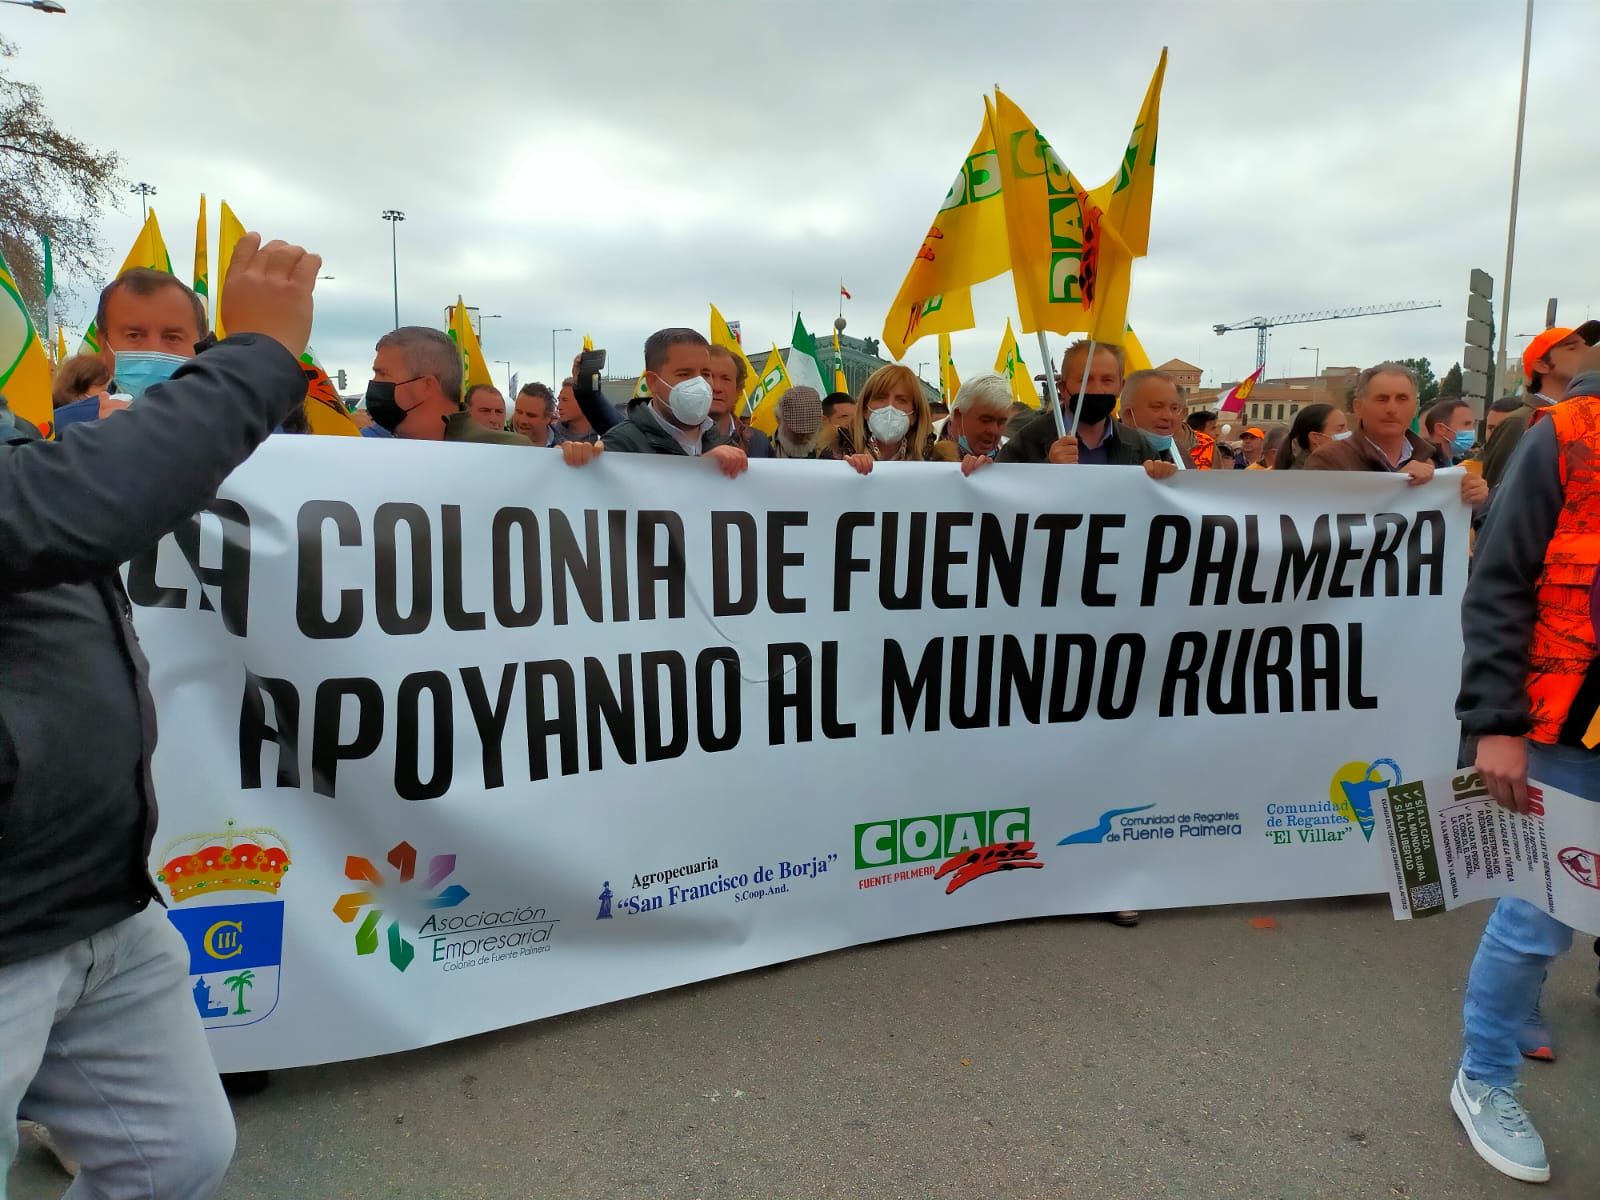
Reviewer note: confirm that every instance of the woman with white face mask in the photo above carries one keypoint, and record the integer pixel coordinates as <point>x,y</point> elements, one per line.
<point>892,423</point>
<point>1314,427</point>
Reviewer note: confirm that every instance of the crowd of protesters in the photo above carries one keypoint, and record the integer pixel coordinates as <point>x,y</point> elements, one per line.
<point>102,1044</point>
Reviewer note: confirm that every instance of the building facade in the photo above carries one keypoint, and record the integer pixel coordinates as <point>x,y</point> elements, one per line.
<point>1279,401</point>
<point>1186,374</point>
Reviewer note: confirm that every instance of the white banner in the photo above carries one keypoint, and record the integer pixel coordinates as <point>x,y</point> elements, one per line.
<point>455,737</point>
<point>1450,844</point>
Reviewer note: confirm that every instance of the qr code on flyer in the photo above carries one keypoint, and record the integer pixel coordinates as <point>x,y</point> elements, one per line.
<point>1426,896</point>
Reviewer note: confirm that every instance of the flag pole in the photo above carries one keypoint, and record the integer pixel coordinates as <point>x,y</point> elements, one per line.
<point>1083,386</point>
<point>1051,387</point>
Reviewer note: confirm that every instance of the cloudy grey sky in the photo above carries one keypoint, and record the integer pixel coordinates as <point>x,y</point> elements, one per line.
<point>613,165</point>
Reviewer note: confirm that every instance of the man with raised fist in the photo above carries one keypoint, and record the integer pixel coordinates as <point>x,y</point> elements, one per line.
<point>101,1040</point>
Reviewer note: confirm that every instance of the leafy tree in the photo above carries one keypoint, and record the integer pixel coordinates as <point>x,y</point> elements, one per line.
<point>1451,384</point>
<point>1427,382</point>
<point>51,185</point>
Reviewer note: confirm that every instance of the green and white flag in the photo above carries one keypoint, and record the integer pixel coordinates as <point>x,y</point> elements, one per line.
<point>804,367</point>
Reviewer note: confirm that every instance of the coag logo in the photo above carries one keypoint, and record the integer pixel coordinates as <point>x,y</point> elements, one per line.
<point>1352,786</point>
<point>972,844</point>
<point>224,892</point>
<point>402,892</point>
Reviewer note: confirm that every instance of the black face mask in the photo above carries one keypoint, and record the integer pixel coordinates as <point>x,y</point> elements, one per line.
<point>380,402</point>
<point>1095,407</point>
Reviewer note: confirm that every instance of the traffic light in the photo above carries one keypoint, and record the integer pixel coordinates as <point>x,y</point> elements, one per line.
<point>342,378</point>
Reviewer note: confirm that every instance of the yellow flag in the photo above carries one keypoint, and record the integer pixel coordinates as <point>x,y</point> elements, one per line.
<point>1126,195</point>
<point>966,244</point>
<point>1072,249</point>
<point>769,388</point>
<point>840,382</point>
<point>1061,243</point>
<point>473,369</point>
<point>24,366</point>
<point>1009,363</point>
<point>149,250</point>
<point>588,342</point>
<point>722,336</point>
<point>325,411</point>
<point>949,381</point>
<point>229,231</point>
<point>202,283</point>
<point>61,344</point>
<point>641,390</point>
<point>1133,352</point>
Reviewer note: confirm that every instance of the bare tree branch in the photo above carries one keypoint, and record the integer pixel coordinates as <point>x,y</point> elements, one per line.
<point>51,185</point>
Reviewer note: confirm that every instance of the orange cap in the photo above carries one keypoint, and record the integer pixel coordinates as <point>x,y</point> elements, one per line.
<point>1589,331</point>
<point>1253,432</point>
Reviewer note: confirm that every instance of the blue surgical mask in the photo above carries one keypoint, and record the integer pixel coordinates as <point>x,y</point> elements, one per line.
<point>1342,434</point>
<point>138,370</point>
<point>1161,441</point>
<point>1465,439</point>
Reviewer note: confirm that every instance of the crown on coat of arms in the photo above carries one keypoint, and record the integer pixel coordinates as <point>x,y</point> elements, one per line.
<point>234,860</point>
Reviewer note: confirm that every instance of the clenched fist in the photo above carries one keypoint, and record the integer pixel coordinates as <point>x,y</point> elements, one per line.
<point>268,291</point>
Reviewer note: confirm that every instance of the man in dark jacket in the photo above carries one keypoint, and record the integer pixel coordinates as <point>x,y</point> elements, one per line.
<point>415,391</point>
<point>1381,438</point>
<point>1100,438</point>
<point>99,1036</point>
<point>677,420</point>
<point>1530,694</point>
<point>727,385</point>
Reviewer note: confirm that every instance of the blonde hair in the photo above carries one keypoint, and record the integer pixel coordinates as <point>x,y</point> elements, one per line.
<point>919,438</point>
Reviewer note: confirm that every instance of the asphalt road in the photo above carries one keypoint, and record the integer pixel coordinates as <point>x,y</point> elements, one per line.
<point>1195,1056</point>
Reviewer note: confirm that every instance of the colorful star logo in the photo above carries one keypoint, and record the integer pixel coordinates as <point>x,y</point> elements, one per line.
<point>403,858</point>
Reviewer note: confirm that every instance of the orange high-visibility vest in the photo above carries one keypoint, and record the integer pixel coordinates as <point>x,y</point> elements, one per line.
<point>1563,646</point>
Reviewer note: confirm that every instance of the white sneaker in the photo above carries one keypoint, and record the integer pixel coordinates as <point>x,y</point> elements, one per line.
<point>1500,1130</point>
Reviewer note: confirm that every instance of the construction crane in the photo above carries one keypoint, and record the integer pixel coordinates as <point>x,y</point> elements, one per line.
<point>1262,324</point>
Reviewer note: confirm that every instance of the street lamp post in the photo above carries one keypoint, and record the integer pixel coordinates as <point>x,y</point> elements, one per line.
<point>1317,370</point>
<point>144,192</point>
<point>506,363</point>
<point>554,374</point>
<point>482,317</point>
<point>44,6</point>
<point>394,216</point>
<point>1516,182</point>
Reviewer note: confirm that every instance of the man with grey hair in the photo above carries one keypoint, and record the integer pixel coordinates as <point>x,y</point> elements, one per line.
<point>1152,403</point>
<point>1385,404</point>
<point>978,417</point>
<point>415,391</point>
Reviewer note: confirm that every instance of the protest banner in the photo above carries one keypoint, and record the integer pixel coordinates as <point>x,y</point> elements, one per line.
<point>1450,844</point>
<point>455,737</point>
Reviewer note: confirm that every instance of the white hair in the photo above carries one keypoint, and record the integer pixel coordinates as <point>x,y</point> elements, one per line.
<point>984,391</point>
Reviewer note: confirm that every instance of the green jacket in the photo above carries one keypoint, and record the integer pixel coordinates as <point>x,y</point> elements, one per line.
<point>462,428</point>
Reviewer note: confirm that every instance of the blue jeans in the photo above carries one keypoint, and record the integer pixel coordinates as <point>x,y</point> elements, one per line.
<point>1519,942</point>
<point>100,1042</point>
